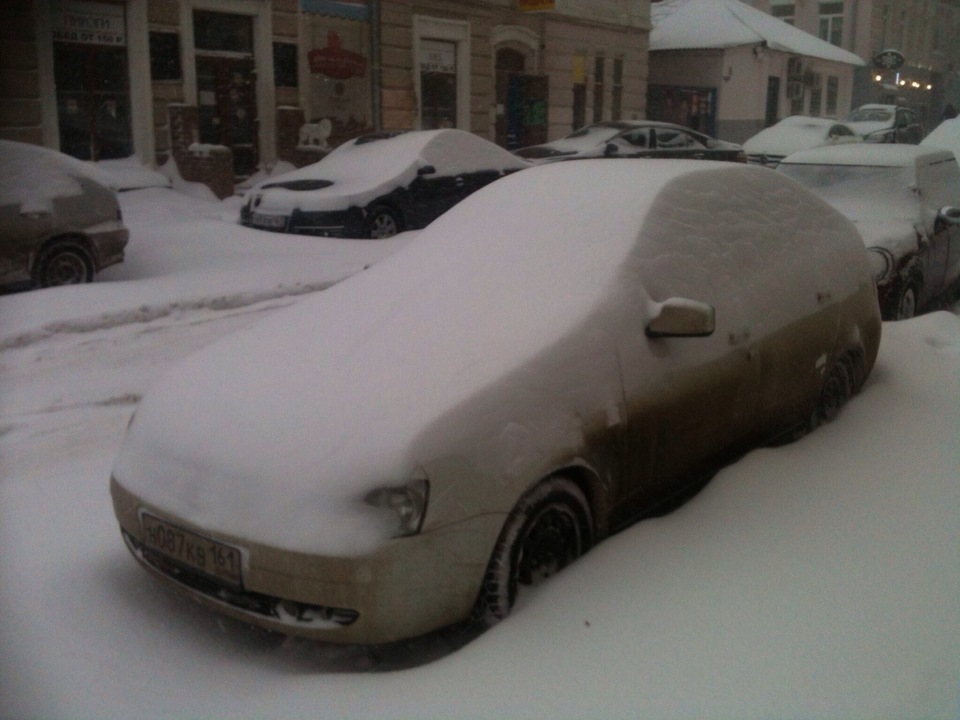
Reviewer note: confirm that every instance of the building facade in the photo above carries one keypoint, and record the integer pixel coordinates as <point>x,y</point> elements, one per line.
<point>229,86</point>
<point>925,35</point>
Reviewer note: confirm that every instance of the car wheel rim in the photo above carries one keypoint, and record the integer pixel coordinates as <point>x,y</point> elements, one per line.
<point>384,226</point>
<point>66,269</point>
<point>908,305</point>
<point>553,542</point>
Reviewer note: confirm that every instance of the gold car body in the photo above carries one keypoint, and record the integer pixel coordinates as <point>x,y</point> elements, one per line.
<point>653,417</point>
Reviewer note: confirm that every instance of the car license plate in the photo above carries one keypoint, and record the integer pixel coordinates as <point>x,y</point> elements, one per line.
<point>269,221</point>
<point>210,557</point>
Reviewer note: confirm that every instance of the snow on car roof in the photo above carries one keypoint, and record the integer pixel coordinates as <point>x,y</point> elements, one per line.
<point>790,134</point>
<point>538,270</point>
<point>33,176</point>
<point>946,135</point>
<point>364,168</point>
<point>872,154</point>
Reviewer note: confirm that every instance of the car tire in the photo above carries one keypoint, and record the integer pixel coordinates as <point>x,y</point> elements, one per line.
<point>836,390</point>
<point>550,527</point>
<point>382,222</point>
<point>906,306</point>
<point>64,262</point>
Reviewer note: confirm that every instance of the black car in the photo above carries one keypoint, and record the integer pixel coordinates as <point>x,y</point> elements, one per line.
<point>378,185</point>
<point>635,138</point>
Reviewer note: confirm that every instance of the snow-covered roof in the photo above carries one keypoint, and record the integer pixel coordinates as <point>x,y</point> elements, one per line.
<point>699,24</point>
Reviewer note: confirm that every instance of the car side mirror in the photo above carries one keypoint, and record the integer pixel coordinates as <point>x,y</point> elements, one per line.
<point>680,317</point>
<point>426,170</point>
<point>949,215</point>
<point>610,149</point>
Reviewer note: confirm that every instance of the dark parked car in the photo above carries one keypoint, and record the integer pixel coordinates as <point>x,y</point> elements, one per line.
<point>886,124</point>
<point>378,185</point>
<point>572,348</point>
<point>905,200</point>
<point>634,138</point>
<point>60,221</point>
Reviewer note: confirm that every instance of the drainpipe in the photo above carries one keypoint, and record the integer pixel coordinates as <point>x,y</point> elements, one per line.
<point>376,74</point>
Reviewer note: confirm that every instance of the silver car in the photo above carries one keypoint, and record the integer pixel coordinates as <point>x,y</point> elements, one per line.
<point>60,221</point>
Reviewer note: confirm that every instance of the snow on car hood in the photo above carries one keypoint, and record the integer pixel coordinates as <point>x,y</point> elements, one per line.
<point>789,135</point>
<point>277,432</point>
<point>361,170</point>
<point>33,176</point>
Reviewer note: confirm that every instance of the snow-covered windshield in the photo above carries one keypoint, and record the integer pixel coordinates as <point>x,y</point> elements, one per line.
<point>881,201</point>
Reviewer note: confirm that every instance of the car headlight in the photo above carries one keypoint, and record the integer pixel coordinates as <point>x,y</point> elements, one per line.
<point>881,263</point>
<point>408,501</point>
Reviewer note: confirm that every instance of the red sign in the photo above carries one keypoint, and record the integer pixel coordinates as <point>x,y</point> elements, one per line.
<point>336,62</point>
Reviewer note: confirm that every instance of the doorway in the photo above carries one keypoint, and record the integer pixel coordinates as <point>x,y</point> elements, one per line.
<point>226,91</point>
<point>521,102</point>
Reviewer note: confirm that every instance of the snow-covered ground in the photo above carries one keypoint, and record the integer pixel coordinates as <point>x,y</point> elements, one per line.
<point>816,580</point>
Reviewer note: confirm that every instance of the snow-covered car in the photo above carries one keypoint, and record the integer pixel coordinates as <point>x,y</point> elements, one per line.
<point>946,135</point>
<point>60,220</point>
<point>886,124</point>
<point>905,201</point>
<point>797,132</point>
<point>378,185</point>
<point>410,448</point>
<point>634,138</point>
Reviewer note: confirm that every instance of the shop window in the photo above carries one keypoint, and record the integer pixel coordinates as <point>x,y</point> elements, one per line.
<point>438,84</point>
<point>285,65</point>
<point>442,56</point>
<point>816,95</point>
<point>784,11</point>
<point>579,91</point>
<point>223,32</point>
<point>598,88</point>
<point>616,91</point>
<point>833,90</point>
<point>165,56</point>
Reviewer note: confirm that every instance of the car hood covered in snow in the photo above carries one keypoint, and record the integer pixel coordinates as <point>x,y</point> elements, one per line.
<point>361,170</point>
<point>790,135</point>
<point>875,186</point>
<point>477,336</point>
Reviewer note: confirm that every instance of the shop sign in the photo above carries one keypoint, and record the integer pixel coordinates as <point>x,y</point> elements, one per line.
<point>92,23</point>
<point>438,56</point>
<point>889,60</point>
<point>536,5</point>
<point>336,62</point>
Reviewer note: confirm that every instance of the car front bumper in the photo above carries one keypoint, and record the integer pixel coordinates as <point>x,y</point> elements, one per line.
<point>406,588</point>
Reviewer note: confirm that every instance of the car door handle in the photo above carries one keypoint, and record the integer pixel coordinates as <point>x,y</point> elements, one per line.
<point>459,182</point>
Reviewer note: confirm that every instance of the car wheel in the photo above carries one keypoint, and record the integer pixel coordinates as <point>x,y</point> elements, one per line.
<point>836,390</point>
<point>66,262</point>
<point>550,527</point>
<point>906,302</point>
<point>382,223</point>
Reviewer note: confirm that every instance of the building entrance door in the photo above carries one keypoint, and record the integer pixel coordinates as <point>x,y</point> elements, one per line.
<point>521,102</point>
<point>227,108</point>
<point>226,89</point>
